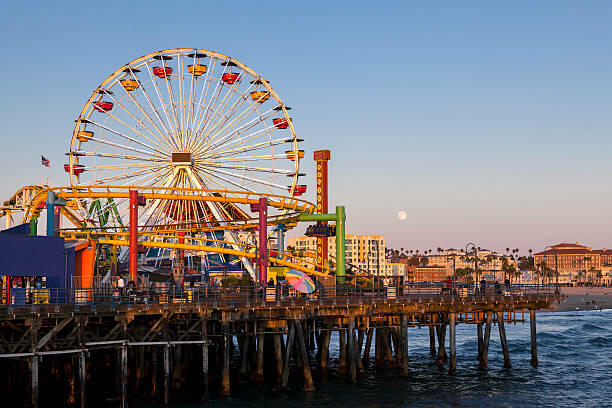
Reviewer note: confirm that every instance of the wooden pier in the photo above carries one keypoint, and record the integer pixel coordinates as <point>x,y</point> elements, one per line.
<point>209,343</point>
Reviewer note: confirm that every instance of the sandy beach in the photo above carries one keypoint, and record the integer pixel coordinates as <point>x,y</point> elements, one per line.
<point>584,298</point>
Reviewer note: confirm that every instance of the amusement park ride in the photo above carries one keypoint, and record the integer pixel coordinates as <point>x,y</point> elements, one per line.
<point>181,156</point>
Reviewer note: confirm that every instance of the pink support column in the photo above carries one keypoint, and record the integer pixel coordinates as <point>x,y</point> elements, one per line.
<point>263,240</point>
<point>133,263</point>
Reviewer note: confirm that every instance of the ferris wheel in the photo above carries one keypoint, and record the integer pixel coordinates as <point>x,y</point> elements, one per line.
<point>183,118</point>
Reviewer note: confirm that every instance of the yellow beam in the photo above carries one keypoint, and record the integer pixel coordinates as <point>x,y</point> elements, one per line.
<point>205,248</point>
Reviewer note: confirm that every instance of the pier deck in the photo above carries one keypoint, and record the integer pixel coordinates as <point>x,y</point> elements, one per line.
<point>276,335</point>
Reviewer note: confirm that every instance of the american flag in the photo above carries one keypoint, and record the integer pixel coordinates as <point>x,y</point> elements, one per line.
<point>45,162</point>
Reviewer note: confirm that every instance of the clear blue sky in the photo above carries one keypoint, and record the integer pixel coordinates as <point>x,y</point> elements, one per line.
<point>485,121</point>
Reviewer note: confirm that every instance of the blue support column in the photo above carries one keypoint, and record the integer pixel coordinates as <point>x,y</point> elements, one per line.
<point>281,240</point>
<point>50,213</point>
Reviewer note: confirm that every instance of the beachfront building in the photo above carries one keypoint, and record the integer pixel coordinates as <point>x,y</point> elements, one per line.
<point>362,252</point>
<point>490,263</point>
<point>577,263</point>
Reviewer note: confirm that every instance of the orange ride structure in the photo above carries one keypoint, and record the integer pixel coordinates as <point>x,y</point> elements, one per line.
<point>175,150</point>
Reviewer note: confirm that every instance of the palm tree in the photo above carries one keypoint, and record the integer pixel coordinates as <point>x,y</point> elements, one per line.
<point>507,250</point>
<point>579,276</point>
<point>599,275</point>
<point>586,259</point>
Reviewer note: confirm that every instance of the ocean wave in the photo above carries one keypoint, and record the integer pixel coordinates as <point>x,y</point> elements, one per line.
<point>600,341</point>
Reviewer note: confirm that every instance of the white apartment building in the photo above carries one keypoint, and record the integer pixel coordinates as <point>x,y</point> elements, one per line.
<point>365,252</point>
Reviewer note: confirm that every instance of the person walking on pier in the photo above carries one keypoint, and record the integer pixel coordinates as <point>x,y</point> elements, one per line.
<point>121,286</point>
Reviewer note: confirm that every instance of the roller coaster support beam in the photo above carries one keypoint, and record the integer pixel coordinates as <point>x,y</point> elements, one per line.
<point>340,218</point>
<point>262,260</point>
<point>133,262</point>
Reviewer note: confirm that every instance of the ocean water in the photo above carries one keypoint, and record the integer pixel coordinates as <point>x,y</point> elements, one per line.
<point>575,370</point>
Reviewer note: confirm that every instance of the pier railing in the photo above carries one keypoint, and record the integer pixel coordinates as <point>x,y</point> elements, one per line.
<point>252,296</point>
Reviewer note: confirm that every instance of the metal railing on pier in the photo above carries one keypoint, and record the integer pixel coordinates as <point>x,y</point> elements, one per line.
<point>253,296</point>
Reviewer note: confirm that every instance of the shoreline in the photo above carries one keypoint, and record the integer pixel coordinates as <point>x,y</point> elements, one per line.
<point>583,299</point>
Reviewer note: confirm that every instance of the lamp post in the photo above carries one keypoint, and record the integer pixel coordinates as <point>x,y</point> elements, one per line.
<point>454,266</point>
<point>475,257</point>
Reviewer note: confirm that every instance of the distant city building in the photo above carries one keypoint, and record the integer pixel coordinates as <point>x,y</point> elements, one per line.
<point>430,273</point>
<point>363,252</point>
<point>576,262</point>
<point>446,262</point>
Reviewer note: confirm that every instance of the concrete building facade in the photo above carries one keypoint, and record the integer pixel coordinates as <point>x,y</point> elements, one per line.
<point>576,263</point>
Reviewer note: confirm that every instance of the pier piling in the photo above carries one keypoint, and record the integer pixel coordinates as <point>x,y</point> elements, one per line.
<point>534,345</point>
<point>404,344</point>
<point>82,379</point>
<point>482,364</point>
<point>326,337</point>
<point>480,339</point>
<point>259,369</point>
<point>225,372</point>
<point>442,357</point>
<point>502,339</point>
<point>278,356</point>
<point>368,346</point>
<point>432,341</point>
<point>352,349</point>
<point>308,383</point>
<point>204,363</point>
<point>34,374</point>
<point>124,375</point>
<point>290,341</point>
<point>342,345</point>
<point>452,367</point>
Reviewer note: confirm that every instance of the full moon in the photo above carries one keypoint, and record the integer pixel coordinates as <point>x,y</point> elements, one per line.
<point>402,215</point>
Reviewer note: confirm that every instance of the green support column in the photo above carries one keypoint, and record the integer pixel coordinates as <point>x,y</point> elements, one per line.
<point>34,225</point>
<point>340,218</point>
<point>340,235</point>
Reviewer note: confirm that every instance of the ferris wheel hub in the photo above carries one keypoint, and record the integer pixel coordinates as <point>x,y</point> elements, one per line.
<point>182,158</point>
